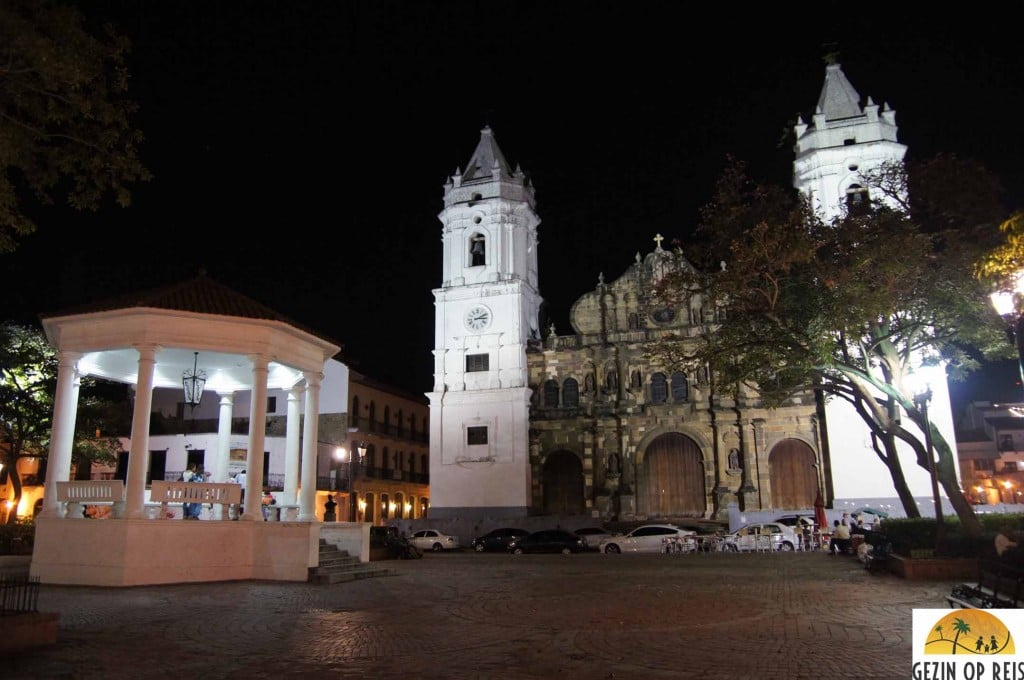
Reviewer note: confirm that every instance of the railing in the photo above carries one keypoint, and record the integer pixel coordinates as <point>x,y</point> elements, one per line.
<point>18,595</point>
<point>94,491</point>
<point>194,492</point>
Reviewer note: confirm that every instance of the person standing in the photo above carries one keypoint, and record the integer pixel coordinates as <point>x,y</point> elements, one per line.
<point>190,510</point>
<point>240,479</point>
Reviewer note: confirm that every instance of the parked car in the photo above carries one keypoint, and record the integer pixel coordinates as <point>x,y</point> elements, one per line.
<point>497,539</point>
<point>796,520</point>
<point>593,536</point>
<point>762,536</point>
<point>431,539</point>
<point>548,541</point>
<point>648,538</point>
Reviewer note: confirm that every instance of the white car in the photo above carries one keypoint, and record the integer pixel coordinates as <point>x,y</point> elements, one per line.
<point>433,540</point>
<point>649,538</point>
<point>762,536</point>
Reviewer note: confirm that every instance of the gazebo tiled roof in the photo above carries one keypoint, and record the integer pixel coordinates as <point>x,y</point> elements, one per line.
<point>200,294</point>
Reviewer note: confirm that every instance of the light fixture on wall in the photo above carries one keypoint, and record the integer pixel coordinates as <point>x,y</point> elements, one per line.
<point>193,381</point>
<point>361,450</point>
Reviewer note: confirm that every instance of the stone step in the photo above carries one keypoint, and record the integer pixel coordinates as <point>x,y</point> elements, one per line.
<point>337,566</point>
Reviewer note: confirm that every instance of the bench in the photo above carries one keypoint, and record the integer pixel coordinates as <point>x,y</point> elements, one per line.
<point>999,586</point>
<point>164,493</point>
<point>91,492</point>
<point>877,559</point>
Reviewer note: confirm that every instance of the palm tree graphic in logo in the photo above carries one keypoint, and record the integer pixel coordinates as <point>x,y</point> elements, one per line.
<point>969,631</point>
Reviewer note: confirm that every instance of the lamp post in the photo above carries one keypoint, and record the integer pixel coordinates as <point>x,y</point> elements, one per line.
<point>1005,304</point>
<point>921,400</point>
<point>340,455</point>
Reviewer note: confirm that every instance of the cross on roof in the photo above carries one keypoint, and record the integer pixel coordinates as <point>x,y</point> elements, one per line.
<point>658,238</point>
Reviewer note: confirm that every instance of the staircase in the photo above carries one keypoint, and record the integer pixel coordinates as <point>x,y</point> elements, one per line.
<point>338,566</point>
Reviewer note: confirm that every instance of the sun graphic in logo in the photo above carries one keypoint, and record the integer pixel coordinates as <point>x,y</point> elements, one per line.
<point>969,631</point>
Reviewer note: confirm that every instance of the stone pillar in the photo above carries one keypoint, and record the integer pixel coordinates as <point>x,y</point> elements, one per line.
<point>223,454</point>
<point>138,457</point>
<point>307,494</point>
<point>291,450</point>
<point>257,438</point>
<point>62,435</point>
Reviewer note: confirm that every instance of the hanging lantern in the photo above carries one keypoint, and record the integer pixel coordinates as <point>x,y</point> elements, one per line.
<point>193,381</point>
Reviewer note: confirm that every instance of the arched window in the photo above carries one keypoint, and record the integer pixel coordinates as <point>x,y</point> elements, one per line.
<point>588,384</point>
<point>634,322</point>
<point>373,417</point>
<point>551,394</point>
<point>635,381</point>
<point>477,250</point>
<point>400,422</point>
<point>570,393</point>
<point>387,420</point>
<point>857,199</point>
<point>680,388</point>
<point>659,388</point>
<point>355,412</point>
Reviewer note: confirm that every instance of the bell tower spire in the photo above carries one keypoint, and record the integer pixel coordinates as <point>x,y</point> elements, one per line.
<point>486,312</point>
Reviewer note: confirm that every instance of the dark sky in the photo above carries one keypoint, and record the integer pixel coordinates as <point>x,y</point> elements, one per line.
<point>299,149</point>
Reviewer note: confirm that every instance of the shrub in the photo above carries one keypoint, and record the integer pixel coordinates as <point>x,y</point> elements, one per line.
<point>909,535</point>
<point>16,538</point>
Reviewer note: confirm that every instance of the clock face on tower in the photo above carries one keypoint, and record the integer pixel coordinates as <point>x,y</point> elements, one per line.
<point>478,318</point>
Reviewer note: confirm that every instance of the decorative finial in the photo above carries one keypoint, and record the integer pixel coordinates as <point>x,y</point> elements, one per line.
<point>831,56</point>
<point>600,278</point>
<point>658,238</point>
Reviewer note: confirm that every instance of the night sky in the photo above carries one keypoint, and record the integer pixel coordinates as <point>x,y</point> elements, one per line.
<point>299,149</point>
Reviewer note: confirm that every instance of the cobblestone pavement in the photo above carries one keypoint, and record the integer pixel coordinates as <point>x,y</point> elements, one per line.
<point>467,615</point>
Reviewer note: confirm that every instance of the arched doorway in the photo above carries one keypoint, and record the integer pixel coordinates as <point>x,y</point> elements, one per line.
<point>563,484</point>
<point>671,480</point>
<point>793,477</point>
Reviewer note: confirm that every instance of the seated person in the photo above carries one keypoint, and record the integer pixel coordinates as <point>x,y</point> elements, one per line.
<point>1007,549</point>
<point>840,538</point>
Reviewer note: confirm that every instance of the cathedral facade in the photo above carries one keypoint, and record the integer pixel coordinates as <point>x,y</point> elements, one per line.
<point>527,421</point>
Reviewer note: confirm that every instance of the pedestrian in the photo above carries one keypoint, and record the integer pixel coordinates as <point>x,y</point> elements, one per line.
<point>240,479</point>
<point>268,500</point>
<point>190,510</point>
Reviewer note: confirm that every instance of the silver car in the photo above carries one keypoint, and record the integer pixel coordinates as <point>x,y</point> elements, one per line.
<point>431,539</point>
<point>650,538</point>
<point>766,536</point>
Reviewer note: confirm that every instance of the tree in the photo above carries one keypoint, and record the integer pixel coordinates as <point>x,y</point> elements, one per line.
<point>65,123</point>
<point>847,308</point>
<point>28,378</point>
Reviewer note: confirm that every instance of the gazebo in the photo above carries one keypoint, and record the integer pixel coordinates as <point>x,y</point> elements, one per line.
<point>150,340</point>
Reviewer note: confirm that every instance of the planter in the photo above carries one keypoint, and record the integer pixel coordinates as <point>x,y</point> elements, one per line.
<point>939,568</point>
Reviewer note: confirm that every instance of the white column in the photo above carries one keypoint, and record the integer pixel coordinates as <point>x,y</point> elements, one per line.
<point>138,456</point>
<point>257,438</point>
<point>291,451</point>
<point>223,453</point>
<point>307,495</point>
<point>62,434</point>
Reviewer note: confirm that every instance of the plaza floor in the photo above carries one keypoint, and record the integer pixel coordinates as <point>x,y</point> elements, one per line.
<point>467,615</point>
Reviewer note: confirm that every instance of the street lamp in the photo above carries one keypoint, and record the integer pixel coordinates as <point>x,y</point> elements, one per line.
<point>340,455</point>
<point>921,399</point>
<point>1005,304</point>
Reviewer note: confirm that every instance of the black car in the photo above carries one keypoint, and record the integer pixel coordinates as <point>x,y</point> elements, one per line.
<point>498,539</point>
<point>548,541</point>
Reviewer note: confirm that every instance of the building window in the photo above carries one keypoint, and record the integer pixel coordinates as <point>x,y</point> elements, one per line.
<point>476,436</point>
<point>857,200</point>
<point>478,250</point>
<point>588,384</point>
<point>1006,442</point>
<point>680,388</point>
<point>551,394</point>
<point>477,362</point>
<point>635,381</point>
<point>634,322</point>
<point>271,404</point>
<point>570,393</point>
<point>659,388</point>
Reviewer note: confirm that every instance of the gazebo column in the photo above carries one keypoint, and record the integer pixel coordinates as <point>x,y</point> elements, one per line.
<point>62,437</point>
<point>307,495</point>
<point>223,453</point>
<point>257,437</point>
<point>291,446</point>
<point>138,456</point>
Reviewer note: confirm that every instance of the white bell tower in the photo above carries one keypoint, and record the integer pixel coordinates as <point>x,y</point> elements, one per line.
<point>843,141</point>
<point>486,311</point>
